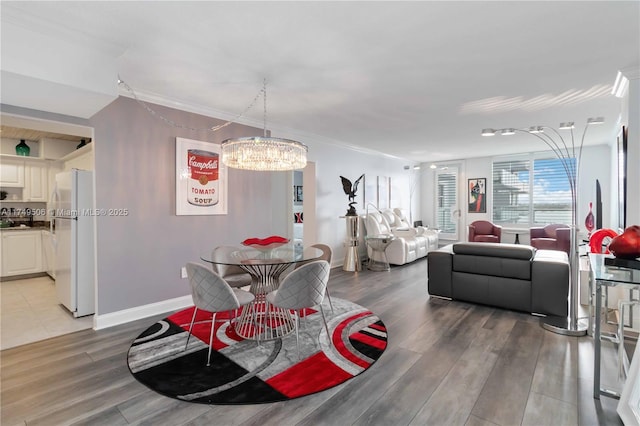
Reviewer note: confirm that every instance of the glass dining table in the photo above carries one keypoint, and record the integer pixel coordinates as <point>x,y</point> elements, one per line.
<point>266,267</point>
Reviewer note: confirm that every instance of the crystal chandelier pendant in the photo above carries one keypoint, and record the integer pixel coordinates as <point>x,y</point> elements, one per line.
<point>264,152</point>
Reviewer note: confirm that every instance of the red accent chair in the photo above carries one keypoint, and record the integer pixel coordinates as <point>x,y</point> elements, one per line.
<point>551,237</point>
<point>482,231</point>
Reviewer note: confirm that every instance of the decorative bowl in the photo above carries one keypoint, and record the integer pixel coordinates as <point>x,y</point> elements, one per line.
<point>265,244</point>
<point>627,244</point>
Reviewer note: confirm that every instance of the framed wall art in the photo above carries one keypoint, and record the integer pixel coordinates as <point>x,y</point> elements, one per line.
<point>370,192</point>
<point>201,179</point>
<point>384,192</point>
<point>477,195</point>
<point>297,193</point>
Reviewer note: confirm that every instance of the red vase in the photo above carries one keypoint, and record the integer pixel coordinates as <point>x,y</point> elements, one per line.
<point>589,222</point>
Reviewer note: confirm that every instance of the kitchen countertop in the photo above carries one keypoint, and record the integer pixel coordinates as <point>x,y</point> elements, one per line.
<point>37,226</point>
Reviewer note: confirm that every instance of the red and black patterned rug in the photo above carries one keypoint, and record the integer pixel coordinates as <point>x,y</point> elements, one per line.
<point>245,372</point>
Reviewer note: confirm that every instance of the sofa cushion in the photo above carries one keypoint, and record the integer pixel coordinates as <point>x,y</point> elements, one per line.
<point>544,243</point>
<point>498,260</point>
<point>496,291</point>
<point>510,251</point>
<point>494,266</point>
<point>486,239</point>
<point>550,272</point>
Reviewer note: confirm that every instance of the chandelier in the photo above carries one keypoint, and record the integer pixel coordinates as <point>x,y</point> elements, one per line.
<point>247,153</point>
<point>264,152</point>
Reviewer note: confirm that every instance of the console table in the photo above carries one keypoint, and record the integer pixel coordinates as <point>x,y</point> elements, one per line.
<point>604,276</point>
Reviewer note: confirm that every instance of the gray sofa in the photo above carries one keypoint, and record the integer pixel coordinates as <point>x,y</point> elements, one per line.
<point>511,276</point>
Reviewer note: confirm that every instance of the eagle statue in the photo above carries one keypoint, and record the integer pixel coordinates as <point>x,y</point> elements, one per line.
<point>350,189</point>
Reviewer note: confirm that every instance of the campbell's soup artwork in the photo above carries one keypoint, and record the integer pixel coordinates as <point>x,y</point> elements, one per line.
<point>202,186</point>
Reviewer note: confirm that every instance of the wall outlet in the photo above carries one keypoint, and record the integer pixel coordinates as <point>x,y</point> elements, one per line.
<point>183,272</point>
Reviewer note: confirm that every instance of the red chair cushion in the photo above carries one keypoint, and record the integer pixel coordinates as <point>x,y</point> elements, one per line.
<point>486,239</point>
<point>544,243</point>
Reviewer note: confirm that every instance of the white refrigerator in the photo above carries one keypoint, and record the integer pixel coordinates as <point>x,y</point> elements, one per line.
<point>73,241</point>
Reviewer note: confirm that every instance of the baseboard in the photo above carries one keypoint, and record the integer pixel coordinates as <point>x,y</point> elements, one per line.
<point>139,312</point>
<point>23,276</point>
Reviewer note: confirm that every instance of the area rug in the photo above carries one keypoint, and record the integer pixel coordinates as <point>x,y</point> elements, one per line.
<point>247,372</point>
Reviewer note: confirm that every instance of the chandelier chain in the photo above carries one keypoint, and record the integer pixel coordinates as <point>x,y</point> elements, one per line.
<point>172,123</point>
<point>264,96</point>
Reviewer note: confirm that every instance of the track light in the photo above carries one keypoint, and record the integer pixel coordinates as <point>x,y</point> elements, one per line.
<point>538,129</point>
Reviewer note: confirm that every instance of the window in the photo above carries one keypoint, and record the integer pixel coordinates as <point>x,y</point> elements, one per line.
<point>447,182</point>
<point>531,191</point>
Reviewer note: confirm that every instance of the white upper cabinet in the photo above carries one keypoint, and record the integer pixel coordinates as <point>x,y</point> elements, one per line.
<point>11,173</point>
<point>36,186</point>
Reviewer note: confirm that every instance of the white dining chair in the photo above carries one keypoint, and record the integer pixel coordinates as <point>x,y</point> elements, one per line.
<point>213,294</point>
<point>304,287</point>
<point>326,255</point>
<point>234,275</point>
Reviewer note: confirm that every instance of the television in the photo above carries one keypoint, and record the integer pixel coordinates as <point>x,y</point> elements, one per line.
<point>598,205</point>
<point>622,178</point>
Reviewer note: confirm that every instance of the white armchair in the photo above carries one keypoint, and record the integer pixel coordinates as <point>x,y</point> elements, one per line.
<point>410,243</point>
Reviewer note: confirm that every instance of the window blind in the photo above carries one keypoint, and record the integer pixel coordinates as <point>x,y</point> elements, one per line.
<point>532,191</point>
<point>446,202</point>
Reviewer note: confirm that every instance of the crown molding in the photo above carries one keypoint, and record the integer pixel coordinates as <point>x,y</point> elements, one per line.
<point>632,72</point>
<point>281,131</point>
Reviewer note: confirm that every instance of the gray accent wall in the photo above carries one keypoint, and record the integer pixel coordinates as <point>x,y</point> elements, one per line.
<point>140,255</point>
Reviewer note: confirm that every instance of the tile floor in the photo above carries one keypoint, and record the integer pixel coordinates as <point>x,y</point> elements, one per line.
<point>30,312</point>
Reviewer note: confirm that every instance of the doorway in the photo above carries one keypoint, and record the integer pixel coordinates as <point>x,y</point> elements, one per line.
<point>447,207</point>
<point>301,185</point>
<point>31,310</point>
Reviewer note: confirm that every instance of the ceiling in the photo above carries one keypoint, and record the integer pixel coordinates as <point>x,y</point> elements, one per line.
<point>35,135</point>
<point>416,80</point>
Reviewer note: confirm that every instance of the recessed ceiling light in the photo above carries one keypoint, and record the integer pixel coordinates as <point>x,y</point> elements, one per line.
<point>433,166</point>
<point>488,132</point>
<point>596,120</point>
<point>508,132</point>
<point>566,126</point>
<point>535,129</point>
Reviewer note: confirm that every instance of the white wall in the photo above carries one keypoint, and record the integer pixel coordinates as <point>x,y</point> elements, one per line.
<point>596,164</point>
<point>333,161</point>
<point>632,119</point>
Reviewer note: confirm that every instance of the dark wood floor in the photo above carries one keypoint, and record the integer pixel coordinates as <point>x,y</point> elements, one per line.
<point>447,363</point>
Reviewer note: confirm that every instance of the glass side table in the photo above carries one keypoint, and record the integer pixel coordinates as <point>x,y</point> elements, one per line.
<point>378,259</point>
<point>603,276</point>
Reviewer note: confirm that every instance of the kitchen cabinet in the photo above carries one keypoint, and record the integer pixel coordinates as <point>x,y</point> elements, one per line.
<point>21,252</point>
<point>11,172</point>
<point>48,254</point>
<point>36,185</point>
